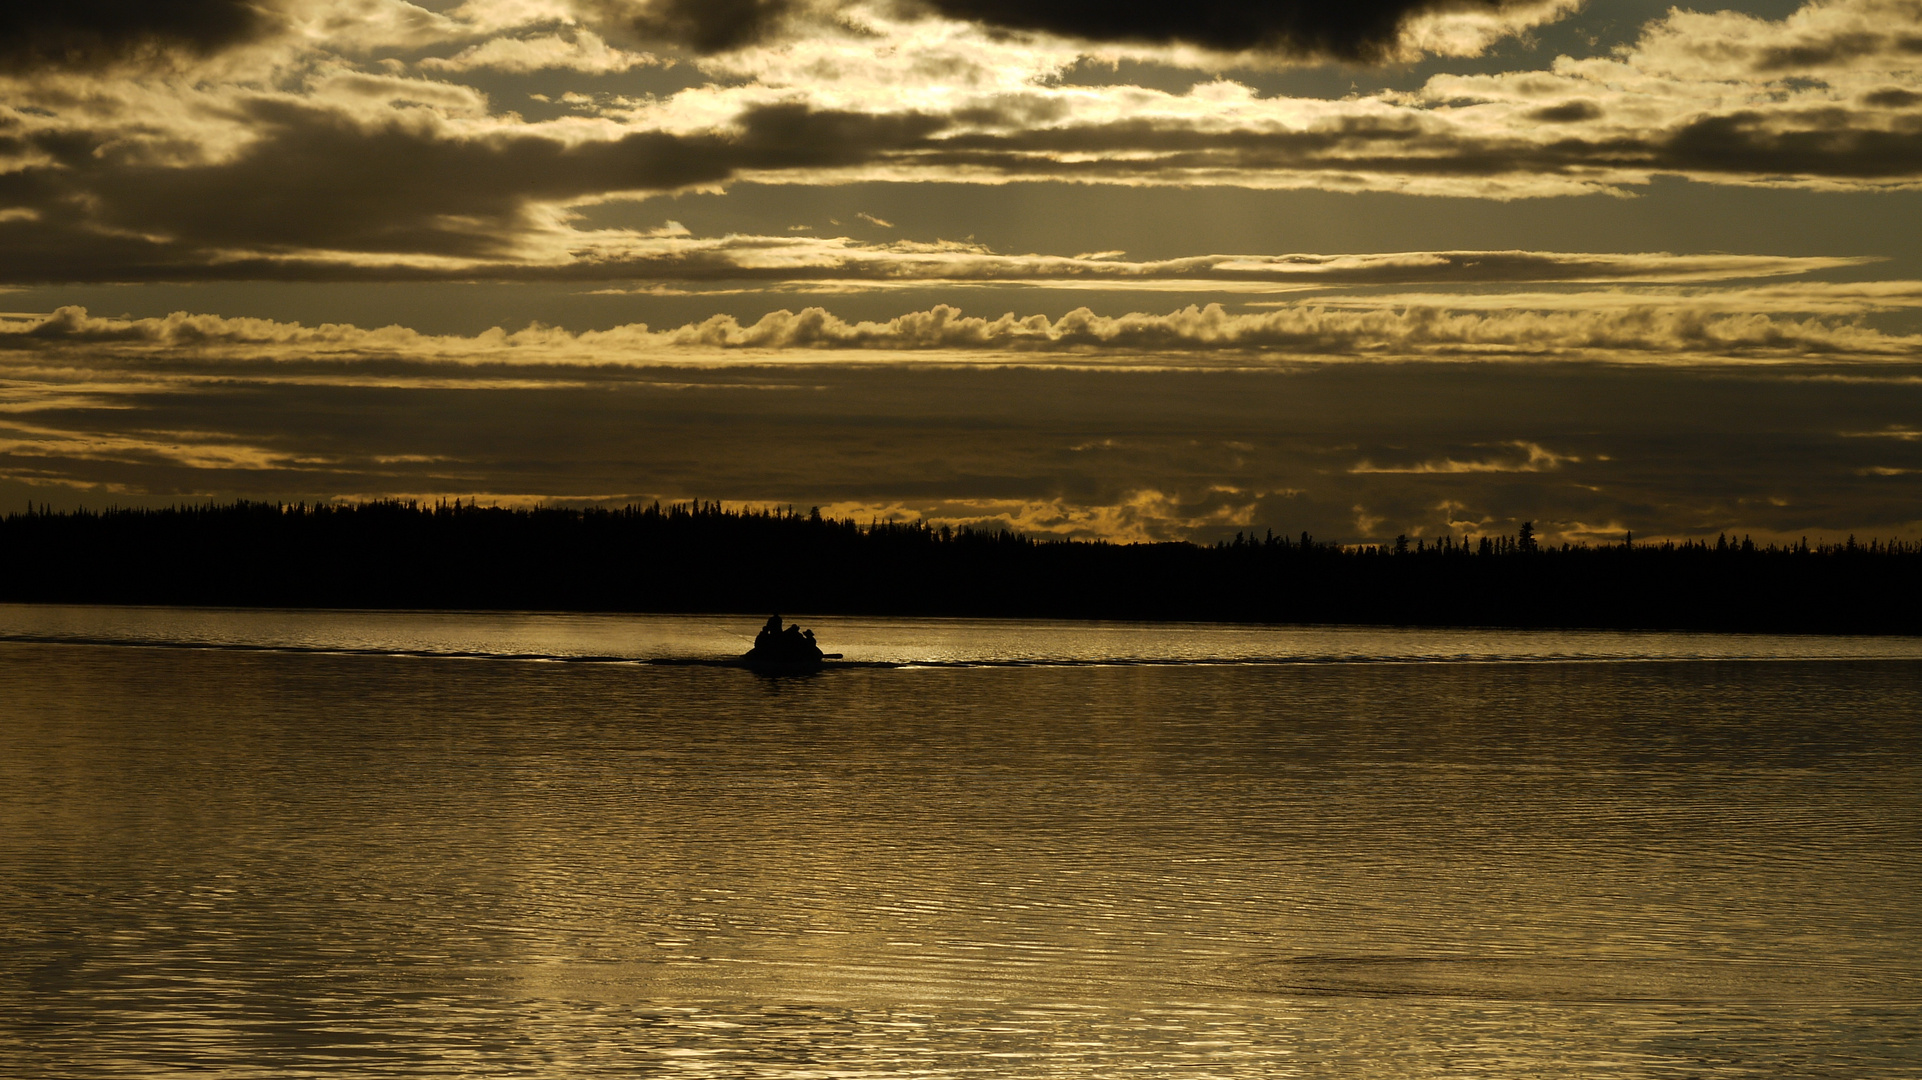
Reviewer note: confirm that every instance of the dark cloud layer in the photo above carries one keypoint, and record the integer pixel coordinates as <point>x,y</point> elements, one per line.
<point>97,33</point>
<point>1824,143</point>
<point>1829,145</point>
<point>1839,48</point>
<point>1893,98</point>
<point>1368,30</point>
<point>703,26</point>
<point>317,180</point>
<point>1350,30</point>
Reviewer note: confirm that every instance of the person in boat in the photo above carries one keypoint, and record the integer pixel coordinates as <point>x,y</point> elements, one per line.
<point>776,644</point>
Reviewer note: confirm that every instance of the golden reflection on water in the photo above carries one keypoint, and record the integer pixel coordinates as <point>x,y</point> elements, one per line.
<point>297,864</point>
<point>941,642</point>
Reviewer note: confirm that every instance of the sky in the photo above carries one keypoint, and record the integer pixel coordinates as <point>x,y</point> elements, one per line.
<point>1136,270</point>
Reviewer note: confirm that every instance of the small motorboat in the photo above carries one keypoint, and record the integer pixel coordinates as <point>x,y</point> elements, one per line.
<point>785,650</point>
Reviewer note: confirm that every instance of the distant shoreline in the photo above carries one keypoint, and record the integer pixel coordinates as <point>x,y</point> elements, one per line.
<point>704,557</point>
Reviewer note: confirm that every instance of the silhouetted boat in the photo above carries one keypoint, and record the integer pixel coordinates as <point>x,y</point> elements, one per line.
<point>787,650</point>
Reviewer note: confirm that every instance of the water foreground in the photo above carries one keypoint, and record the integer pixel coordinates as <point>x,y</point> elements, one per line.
<point>358,844</point>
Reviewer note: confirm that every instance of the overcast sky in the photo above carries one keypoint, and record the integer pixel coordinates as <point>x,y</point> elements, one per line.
<point>1135,269</point>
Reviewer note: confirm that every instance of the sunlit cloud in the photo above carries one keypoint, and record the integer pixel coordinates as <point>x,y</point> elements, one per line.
<point>582,51</point>
<point>1516,457</point>
<point>1192,336</point>
<point>1138,516</point>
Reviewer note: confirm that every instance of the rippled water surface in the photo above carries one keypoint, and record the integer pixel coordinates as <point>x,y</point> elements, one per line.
<point>387,844</point>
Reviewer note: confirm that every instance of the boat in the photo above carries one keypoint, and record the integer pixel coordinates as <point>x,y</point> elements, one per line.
<point>785,650</point>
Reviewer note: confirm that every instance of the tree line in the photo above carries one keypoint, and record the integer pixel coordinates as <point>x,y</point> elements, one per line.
<point>703,556</point>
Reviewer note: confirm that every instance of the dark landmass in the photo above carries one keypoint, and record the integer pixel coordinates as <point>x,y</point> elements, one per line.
<point>702,557</point>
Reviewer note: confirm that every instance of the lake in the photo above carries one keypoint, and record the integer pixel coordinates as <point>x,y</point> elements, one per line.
<point>291,844</point>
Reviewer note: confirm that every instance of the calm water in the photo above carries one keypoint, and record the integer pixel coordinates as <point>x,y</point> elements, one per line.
<point>376,844</point>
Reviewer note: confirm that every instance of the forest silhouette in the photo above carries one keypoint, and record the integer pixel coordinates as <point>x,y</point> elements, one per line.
<point>709,558</point>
